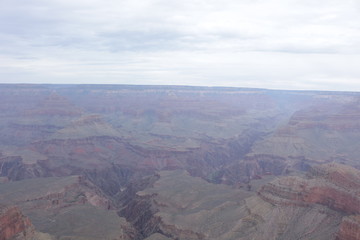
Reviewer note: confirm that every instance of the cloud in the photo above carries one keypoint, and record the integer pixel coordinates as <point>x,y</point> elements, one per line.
<point>273,44</point>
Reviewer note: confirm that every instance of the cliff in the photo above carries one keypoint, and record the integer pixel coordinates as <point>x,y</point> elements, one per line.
<point>349,228</point>
<point>333,186</point>
<point>183,207</point>
<point>14,225</point>
<point>67,206</point>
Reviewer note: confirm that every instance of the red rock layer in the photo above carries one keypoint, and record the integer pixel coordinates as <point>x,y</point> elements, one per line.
<point>333,185</point>
<point>350,228</point>
<point>14,224</point>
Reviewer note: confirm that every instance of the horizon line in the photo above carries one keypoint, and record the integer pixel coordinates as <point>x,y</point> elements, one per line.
<point>183,86</point>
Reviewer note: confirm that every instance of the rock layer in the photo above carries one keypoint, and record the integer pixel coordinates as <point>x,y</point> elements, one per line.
<point>349,228</point>
<point>334,186</point>
<point>14,225</point>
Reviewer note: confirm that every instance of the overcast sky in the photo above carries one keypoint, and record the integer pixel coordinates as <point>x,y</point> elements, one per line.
<point>279,44</point>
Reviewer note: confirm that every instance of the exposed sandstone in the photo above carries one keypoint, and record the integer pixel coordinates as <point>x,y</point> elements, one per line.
<point>14,225</point>
<point>334,186</point>
<point>349,228</point>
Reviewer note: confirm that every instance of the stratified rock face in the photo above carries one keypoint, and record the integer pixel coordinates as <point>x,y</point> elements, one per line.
<point>54,194</point>
<point>208,211</point>
<point>67,206</point>
<point>188,208</point>
<point>349,229</point>
<point>14,225</point>
<point>179,206</point>
<point>338,174</point>
<point>334,186</point>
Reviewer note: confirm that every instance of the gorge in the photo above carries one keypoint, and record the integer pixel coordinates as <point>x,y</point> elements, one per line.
<point>174,162</point>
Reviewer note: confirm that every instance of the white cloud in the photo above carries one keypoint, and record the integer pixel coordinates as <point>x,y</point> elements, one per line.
<point>286,44</point>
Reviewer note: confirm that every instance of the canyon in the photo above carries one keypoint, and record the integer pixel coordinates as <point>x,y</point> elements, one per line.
<point>173,162</point>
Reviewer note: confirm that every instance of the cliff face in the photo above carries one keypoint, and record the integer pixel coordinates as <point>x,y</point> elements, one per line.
<point>333,186</point>
<point>179,206</point>
<point>67,206</point>
<point>54,194</point>
<point>14,225</point>
<point>349,228</point>
<point>322,205</point>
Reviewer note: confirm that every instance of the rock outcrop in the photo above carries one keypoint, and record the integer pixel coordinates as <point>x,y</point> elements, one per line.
<point>333,186</point>
<point>169,208</point>
<point>349,228</point>
<point>67,206</point>
<point>56,193</point>
<point>14,225</point>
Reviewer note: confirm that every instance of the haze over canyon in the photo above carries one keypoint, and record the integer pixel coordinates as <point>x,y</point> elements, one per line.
<point>121,162</point>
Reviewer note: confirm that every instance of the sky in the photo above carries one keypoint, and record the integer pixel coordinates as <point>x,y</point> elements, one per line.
<point>276,44</point>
